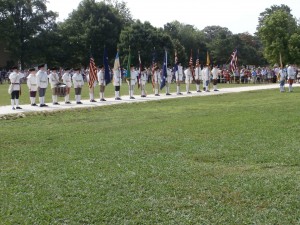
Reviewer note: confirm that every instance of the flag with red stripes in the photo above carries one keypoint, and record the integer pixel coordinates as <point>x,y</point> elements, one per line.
<point>93,73</point>
<point>191,65</point>
<point>234,61</point>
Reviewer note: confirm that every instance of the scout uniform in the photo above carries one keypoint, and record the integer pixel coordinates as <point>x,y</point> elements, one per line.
<point>179,77</point>
<point>206,78</point>
<point>168,81</point>
<point>156,78</point>
<point>32,85</point>
<point>215,73</point>
<point>198,77</point>
<point>91,90</point>
<point>143,80</point>
<point>291,77</point>
<point>117,83</point>
<point>54,81</point>
<point>42,83</point>
<point>67,80</point>
<point>132,81</point>
<point>15,80</point>
<point>102,82</point>
<point>78,83</point>
<point>188,79</point>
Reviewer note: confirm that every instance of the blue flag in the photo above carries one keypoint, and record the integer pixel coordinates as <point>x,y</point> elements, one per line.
<point>164,71</point>
<point>106,67</point>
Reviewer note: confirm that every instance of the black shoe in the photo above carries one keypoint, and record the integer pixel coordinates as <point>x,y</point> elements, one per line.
<point>33,104</point>
<point>189,92</point>
<point>44,105</point>
<point>93,100</point>
<point>13,108</point>
<point>179,93</point>
<point>216,90</point>
<point>157,95</point>
<point>102,100</point>
<point>199,91</point>
<point>41,105</point>
<point>68,102</point>
<point>207,91</point>
<point>18,107</point>
<point>132,97</point>
<point>118,98</point>
<point>55,103</point>
<point>79,103</point>
<point>168,94</point>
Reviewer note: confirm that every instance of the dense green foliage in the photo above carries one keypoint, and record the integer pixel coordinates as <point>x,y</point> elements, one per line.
<point>230,159</point>
<point>32,35</point>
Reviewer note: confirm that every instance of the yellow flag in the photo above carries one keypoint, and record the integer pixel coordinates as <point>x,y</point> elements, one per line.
<point>207,59</point>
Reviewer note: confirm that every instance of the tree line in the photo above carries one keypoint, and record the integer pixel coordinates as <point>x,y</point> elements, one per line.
<point>31,34</point>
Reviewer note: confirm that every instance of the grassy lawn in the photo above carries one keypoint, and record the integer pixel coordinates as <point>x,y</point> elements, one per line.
<point>229,159</point>
<point>109,92</point>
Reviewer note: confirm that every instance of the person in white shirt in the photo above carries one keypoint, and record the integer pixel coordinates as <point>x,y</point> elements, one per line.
<point>179,77</point>
<point>206,77</point>
<point>15,80</point>
<point>132,81</point>
<point>156,80</point>
<point>117,77</point>
<point>291,73</point>
<point>198,77</point>
<point>78,84</point>
<point>42,82</point>
<point>143,81</point>
<point>54,81</point>
<point>282,77</point>
<point>67,80</point>
<point>168,80</point>
<point>102,82</point>
<point>32,85</point>
<point>188,79</point>
<point>215,72</point>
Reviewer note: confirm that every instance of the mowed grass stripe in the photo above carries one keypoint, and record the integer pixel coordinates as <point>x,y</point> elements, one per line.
<point>228,159</point>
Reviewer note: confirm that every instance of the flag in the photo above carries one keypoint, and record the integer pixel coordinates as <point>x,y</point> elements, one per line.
<point>280,59</point>
<point>191,65</point>
<point>93,73</point>
<point>140,70</point>
<point>234,61</point>
<point>106,67</point>
<point>207,59</point>
<point>197,60</point>
<point>128,73</point>
<point>175,62</point>
<point>117,61</point>
<point>164,74</point>
<point>154,64</point>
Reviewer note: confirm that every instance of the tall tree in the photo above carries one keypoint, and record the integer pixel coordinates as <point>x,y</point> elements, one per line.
<point>275,34</point>
<point>22,21</point>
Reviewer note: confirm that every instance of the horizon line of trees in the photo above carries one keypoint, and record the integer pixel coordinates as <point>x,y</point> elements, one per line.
<point>31,34</point>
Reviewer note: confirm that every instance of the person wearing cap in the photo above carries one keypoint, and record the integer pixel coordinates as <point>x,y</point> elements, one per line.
<point>132,81</point>
<point>54,81</point>
<point>117,82</point>
<point>291,73</point>
<point>143,81</point>
<point>102,82</point>
<point>198,77</point>
<point>42,83</point>
<point>168,79</point>
<point>67,80</point>
<point>188,79</point>
<point>78,83</point>
<point>206,77</point>
<point>15,79</point>
<point>179,77</point>
<point>156,79</point>
<point>32,85</point>
<point>92,89</point>
<point>215,73</point>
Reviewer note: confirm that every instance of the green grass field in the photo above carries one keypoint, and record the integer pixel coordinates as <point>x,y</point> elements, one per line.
<point>109,92</point>
<point>228,159</point>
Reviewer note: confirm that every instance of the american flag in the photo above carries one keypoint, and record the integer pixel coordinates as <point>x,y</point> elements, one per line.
<point>154,64</point>
<point>234,61</point>
<point>140,70</point>
<point>93,73</point>
<point>197,60</point>
<point>191,65</point>
<point>176,62</point>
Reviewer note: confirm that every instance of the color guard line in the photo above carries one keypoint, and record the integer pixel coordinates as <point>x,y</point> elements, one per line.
<point>7,110</point>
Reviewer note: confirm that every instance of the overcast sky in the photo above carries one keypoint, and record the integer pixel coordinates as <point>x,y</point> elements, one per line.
<point>237,15</point>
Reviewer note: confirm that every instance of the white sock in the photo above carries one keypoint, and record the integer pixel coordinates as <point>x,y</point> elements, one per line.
<point>53,98</point>
<point>132,90</point>
<point>197,87</point>
<point>79,98</point>
<point>17,102</point>
<point>41,100</point>
<point>33,100</point>
<point>178,89</point>
<point>12,101</point>
<point>91,96</point>
<point>187,87</point>
<point>116,94</point>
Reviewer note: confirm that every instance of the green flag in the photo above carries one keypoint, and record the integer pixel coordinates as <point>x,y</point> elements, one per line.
<point>128,73</point>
